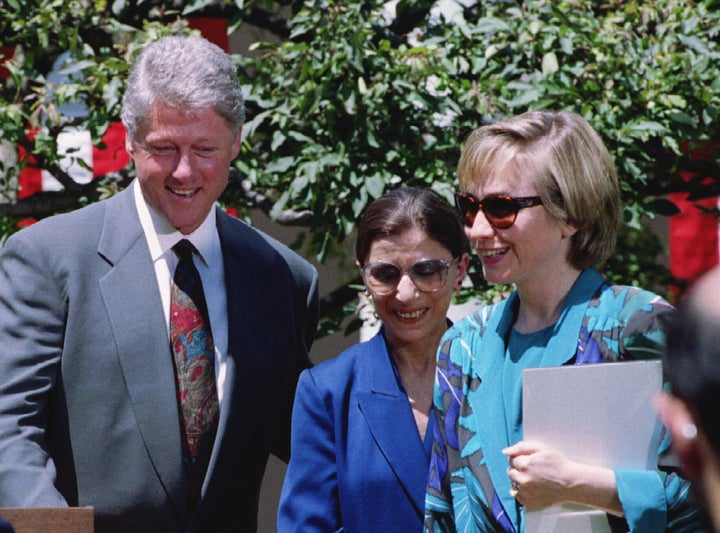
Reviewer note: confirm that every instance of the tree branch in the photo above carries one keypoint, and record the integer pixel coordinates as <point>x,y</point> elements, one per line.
<point>286,217</point>
<point>256,16</point>
<point>45,203</point>
<point>339,297</point>
<point>268,21</point>
<point>409,15</point>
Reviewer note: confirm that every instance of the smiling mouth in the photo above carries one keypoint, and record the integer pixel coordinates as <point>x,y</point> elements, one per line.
<point>491,253</point>
<point>414,314</point>
<point>184,193</point>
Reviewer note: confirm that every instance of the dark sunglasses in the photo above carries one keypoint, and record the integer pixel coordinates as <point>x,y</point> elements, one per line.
<point>428,275</point>
<point>500,211</point>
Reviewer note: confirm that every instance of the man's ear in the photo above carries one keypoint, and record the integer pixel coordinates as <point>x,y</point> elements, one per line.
<point>237,144</point>
<point>128,145</point>
<point>685,432</point>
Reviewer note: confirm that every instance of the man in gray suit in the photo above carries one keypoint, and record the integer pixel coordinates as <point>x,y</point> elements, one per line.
<point>91,393</point>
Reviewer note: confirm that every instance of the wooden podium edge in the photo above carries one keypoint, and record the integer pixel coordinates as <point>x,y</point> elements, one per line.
<point>49,519</point>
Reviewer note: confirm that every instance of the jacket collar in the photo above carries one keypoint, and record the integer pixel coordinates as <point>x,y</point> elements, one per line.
<point>387,412</point>
<point>488,364</point>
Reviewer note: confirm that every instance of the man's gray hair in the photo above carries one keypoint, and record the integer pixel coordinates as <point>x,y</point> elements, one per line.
<point>190,73</point>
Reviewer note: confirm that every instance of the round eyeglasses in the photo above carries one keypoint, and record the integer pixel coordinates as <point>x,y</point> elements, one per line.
<point>500,211</point>
<point>428,275</point>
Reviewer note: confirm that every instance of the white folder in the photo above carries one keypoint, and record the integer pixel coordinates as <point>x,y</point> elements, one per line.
<point>599,414</point>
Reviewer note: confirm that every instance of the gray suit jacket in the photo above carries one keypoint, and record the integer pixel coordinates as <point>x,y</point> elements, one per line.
<point>88,409</point>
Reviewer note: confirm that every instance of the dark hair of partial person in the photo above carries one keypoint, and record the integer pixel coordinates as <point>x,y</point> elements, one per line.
<point>188,73</point>
<point>406,208</point>
<point>692,362</point>
<point>571,166</point>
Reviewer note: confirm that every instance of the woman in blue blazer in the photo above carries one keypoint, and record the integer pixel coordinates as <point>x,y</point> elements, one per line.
<point>360,451</point>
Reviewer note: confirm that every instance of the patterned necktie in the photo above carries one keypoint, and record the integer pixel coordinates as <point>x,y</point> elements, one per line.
<point>194,352</point>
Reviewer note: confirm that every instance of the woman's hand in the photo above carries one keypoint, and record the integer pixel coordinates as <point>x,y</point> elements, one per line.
<point>542,476</point>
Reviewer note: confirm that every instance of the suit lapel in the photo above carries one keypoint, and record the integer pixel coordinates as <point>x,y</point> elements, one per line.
<point>488,423</point>
<point>563,344</point>
<point>133,303</point>
<point>389,418</point>
<point>249,353</point>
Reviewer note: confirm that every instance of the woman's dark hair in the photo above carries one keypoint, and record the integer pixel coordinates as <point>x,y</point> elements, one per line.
<point>405,208</point>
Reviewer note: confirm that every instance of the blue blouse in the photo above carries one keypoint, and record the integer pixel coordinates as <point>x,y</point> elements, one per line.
<point>468,487</point>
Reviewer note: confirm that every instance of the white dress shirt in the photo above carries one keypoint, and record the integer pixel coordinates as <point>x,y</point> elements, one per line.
<point>161,237</point>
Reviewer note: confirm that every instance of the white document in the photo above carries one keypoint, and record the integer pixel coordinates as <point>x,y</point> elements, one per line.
<point>600,414</point>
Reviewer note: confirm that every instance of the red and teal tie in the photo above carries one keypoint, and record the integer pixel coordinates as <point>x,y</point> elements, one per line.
<point>194,353</point>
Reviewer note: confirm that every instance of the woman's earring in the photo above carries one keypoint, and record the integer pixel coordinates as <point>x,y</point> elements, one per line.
<point>689,431</point>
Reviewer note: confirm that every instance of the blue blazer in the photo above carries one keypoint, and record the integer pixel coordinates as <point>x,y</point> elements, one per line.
<point>88,408</point>
<point>357,463</point>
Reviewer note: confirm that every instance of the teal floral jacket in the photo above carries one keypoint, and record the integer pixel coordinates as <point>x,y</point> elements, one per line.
<point>468,487</point>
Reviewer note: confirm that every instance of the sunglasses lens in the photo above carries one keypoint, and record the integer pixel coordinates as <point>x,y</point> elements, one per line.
<point>500,212</point>
<point>429,275</point>
<point>468,208</point>
<point>381,278</point>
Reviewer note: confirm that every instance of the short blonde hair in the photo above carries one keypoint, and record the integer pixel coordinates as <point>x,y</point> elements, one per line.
<point>573,170</point>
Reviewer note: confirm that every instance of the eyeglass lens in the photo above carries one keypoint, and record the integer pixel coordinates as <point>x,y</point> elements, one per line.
<point>500,211</point>
<point>428,275</point>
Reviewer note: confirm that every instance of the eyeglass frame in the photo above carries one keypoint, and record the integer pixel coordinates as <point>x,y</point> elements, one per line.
<point>402,271</point>
<point>517,203</point>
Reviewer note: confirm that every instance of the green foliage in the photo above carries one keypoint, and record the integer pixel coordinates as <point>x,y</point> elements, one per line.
<point>343,111</point>
<point>340,115</point>
<point>637,254</point>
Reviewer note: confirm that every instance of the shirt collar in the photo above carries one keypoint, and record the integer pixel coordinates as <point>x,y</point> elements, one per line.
<point>162,236</point>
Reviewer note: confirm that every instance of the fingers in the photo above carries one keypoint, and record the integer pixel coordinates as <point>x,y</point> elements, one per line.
<point>519,463</point>
<point>516,491</point>
<point>518,460</point>
<point>516,477</point>
<point>524,447</point>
